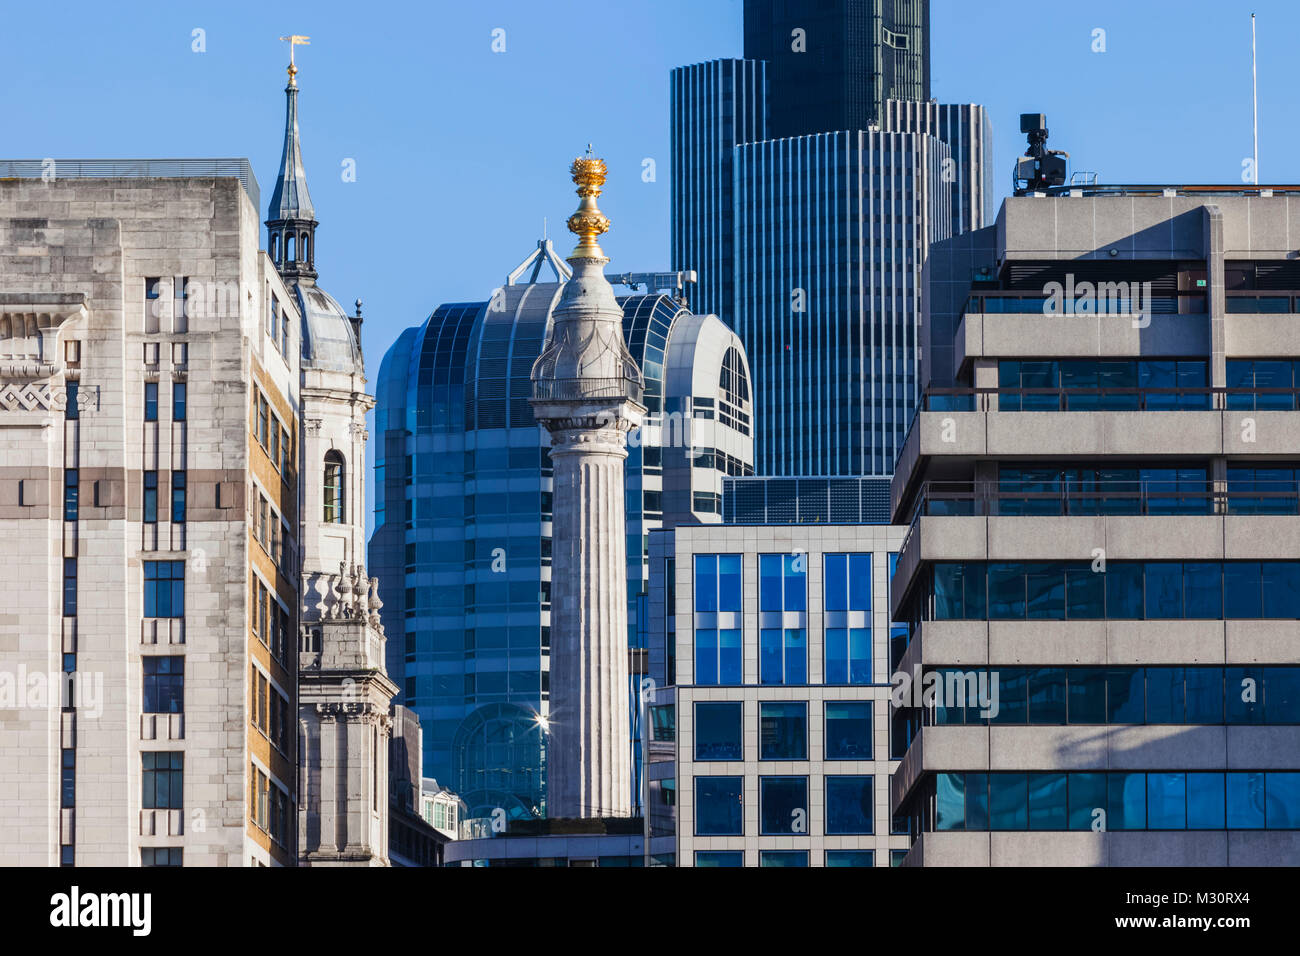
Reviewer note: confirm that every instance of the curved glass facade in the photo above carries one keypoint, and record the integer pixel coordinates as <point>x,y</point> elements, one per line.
<point>463,534</point>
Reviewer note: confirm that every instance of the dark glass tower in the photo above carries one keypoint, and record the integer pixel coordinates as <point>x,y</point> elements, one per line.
<point>809,181</point>
<point>834,63</point>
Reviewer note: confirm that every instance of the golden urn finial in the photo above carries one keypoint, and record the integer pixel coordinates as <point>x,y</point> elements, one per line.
<point>588,223</point>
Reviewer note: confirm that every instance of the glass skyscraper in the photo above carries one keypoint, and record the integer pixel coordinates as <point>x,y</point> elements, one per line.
<point>834,63</point>
<point>716,106</point>
<point>807,188</point>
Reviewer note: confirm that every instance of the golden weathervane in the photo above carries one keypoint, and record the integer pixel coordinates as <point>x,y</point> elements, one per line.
<point>294,39</point>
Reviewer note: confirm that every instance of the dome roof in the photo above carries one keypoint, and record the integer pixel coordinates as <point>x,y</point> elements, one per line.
<point>329,340</point>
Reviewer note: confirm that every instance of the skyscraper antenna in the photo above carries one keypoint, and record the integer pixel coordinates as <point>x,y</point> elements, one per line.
<point>1254,102</point>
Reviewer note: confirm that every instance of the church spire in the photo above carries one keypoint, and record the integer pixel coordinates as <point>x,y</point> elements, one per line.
<point>291,219</point>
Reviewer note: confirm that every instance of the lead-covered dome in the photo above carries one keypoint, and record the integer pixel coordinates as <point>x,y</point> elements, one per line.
<point>329,338</point>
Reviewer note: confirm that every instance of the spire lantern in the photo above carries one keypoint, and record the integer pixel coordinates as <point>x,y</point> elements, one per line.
<point>291,218</point>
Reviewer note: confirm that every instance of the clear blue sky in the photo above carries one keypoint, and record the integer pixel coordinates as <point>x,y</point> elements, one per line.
<point>461,152</point>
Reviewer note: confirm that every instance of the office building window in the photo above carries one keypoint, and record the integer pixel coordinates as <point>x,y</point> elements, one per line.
<point>850,806</point>
<point>783,805</point>
<point>1120,695</point>
<point>718,730</point>
<point>67,855</point>
<point>178,401</point>
<point>783,651</point>
<point>68,779</point>
<point>783,730</point>
<point>69,587</point>
<point>150,497</point>
<point>334,487</point>
<point>850,858</point>
<point>72,410</point>
<point>783,655</point>
<point>848,729</point>
<point>718,651</point>
<point>848,655</point>
<point>663,722</point>
<point>848,582</point>
<point>164,685</point>
<point>178,497</point>
<point>711,858</point>
<point>848,618</point>
<point>161,856</point>
<point>162,780</point>
<point>263,420</point>
<point>717,583</point>
<point>71,494</point>
<point>1125,590</point>
<point>1178,800</point>
<point>151,401</point>
<point>719,806</point>
<point>783,858</point>
<point>164,589</point>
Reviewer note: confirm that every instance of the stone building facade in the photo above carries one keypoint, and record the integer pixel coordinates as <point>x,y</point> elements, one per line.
<point>149,410</point>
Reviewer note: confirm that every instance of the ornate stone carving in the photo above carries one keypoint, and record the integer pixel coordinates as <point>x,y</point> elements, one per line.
<point>43,396</point>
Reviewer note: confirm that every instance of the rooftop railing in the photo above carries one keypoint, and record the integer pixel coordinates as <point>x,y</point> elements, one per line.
<point>1167,190</point>
<point>1071,497</point>
<point>1018,302</point>
<point>1111,399</point>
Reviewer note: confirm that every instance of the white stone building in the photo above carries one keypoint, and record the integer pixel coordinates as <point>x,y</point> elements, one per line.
<point>149,406</point>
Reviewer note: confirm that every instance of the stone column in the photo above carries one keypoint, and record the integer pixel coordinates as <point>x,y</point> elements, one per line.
<point>590,729</point>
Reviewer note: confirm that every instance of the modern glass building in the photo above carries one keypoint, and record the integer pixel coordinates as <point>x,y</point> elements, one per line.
<point>831,233</point>
<point>834,63</point>
<point>716,106</point>
<point>463,527</point>
<point>768,736</point>
<point>809,180</point>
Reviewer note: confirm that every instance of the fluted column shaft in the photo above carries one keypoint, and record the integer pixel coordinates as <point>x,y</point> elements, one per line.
<point>590,762</point>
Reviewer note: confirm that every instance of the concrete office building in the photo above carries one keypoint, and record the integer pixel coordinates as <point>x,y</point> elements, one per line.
<point>767,736</point>
<point>807,189</point>
<point>150,407</point>
<point>1102,499</point>
<point>464,492</point>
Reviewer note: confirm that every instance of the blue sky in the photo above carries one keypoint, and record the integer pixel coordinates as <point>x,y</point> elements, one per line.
<point>461,152</point>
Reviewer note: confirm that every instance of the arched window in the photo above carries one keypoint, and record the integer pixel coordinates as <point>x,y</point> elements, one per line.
<point>304,244</point>
<point>334,488</point>
<point>275,248</point>
<point>289,249</point>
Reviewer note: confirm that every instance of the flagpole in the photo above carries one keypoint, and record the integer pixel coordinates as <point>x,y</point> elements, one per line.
<point>1254,99</point>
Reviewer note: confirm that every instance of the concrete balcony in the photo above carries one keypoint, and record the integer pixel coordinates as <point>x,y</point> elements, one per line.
<point>1031,334</point>
<point>987,433</point>
<point>1038,643</point>
<point>1209,537</point>
<point>1261,336</point>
